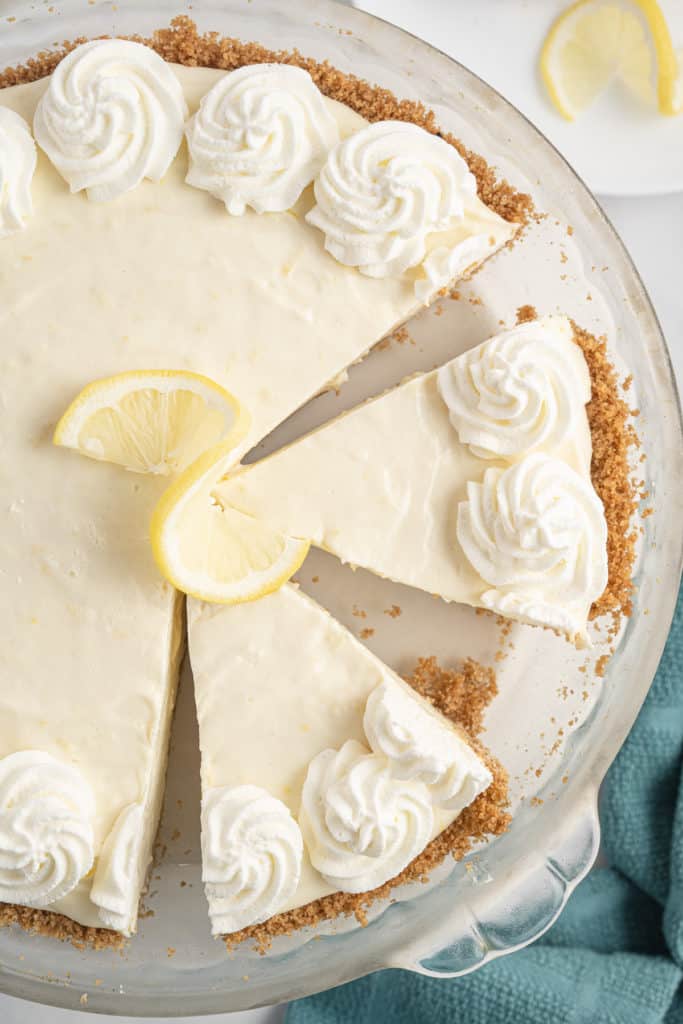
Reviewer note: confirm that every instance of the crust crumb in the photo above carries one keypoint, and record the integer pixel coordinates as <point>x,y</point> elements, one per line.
<point>462,695</point>
<point>526,313</point>
<point>601,665</point>
<point>399,336</point>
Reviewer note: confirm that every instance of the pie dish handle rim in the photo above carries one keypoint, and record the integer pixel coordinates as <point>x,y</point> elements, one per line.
<point>513,918</point>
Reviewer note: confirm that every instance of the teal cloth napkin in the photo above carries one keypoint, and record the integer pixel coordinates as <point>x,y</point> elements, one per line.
<point>615,956</point>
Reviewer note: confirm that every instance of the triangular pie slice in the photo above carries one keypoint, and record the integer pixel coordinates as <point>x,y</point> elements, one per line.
<point>143,274</point>
<point>322,771</point>
<point>471,482</point>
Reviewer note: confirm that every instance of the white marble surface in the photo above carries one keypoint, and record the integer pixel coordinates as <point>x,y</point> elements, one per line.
<point>652,230</point>
<point>16,1011</point>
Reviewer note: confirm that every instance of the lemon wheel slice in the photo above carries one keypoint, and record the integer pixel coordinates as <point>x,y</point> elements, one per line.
<point>594,42</point>
<point>215,553</point>
<point>151,421</point>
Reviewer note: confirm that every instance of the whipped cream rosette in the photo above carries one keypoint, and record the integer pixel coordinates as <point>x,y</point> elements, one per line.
<point>419,745</point>
<point>46,833</point>
<point>251,855</point>
<point>360,823</point>
<point>383,190</point>
<point>524,389</point>
<point>536,533</point>
<point>260,136</point>
<point>112,115</point>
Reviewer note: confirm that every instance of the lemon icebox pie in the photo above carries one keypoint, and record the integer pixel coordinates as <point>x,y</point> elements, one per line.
<point>250,233</point>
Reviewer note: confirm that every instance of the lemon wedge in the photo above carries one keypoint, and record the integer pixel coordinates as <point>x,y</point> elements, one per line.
<point>594,42</point>
<point>216,553</point>
<point>151,421</point>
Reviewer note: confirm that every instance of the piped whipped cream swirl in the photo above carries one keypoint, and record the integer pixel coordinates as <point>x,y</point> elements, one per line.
<point>112,115</point>
<point>361,824</point>
<point>536,533</point>
<point>519,391</point>
<point>260,136</point>
<point>17,167</point>
<point>46,834</point>
<point>251,854</point>
<point>116,886</point>
<point>420,745</point>
<point>383,190</point>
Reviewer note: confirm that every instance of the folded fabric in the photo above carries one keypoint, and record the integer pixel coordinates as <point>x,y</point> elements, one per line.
<point>615,956</point>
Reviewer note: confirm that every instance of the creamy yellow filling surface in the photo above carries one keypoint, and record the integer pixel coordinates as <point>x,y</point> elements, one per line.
<point>162,277</point>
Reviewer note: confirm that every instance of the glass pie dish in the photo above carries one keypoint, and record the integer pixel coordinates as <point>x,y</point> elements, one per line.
<point>556,723</point>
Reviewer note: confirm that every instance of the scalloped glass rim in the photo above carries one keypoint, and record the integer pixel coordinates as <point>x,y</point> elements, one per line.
<point>454,927</point>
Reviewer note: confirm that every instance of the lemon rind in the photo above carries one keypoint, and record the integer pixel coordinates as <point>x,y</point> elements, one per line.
<point>68,429</point>
<point>208,467</point>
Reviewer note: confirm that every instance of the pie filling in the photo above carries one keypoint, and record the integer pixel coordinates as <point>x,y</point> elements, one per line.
<point>248,228</point>
<point>472,482</point>
<point>322,771</point>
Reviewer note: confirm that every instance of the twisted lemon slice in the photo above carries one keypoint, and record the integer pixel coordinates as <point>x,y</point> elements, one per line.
<point>152,421</point>
<point>214,553</point>
<point>173,422</point>
<point>595,41</point>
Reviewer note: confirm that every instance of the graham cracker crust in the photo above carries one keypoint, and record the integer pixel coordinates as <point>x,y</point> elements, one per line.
<point>464,694</point>
<point>56,926</point>
<point>614,439</point>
